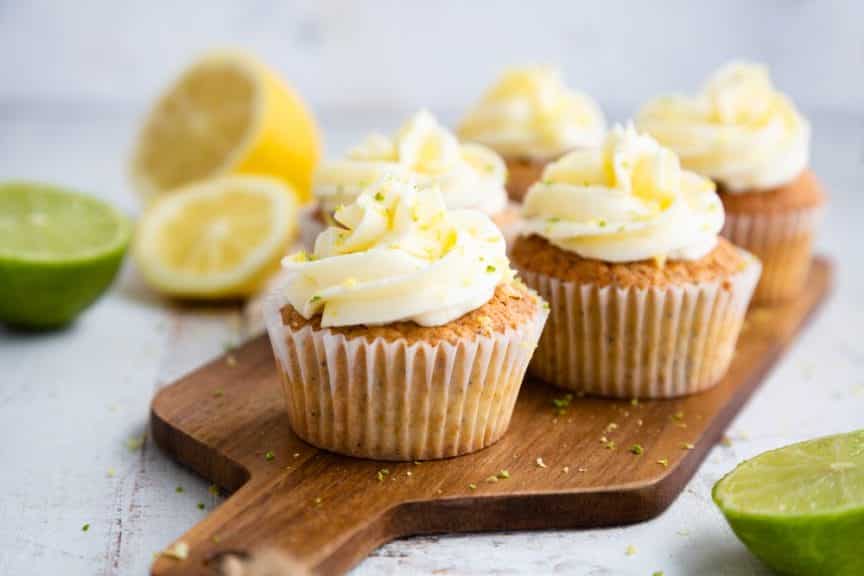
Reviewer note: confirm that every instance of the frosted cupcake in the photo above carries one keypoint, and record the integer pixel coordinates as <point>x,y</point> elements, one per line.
<point>752,141</point>
<point>646,300</point>
<point>531,118</point>
<point>403,335</point>
<point>469,176</point>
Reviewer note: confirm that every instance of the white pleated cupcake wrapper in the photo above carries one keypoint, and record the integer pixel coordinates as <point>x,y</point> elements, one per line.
<point>635,342</point>
<point>783,242</point>
<point>395,400</point>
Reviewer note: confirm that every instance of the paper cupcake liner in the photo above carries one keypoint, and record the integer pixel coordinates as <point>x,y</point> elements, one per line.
<point>640,342</point>
<point>395,400</point>
<point>783,242</point>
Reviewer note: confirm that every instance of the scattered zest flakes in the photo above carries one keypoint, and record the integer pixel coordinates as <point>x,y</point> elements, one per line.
<point>664,462</point>
<point>231,360</point>
<point>179,489</point>
<point>611,427</point>
<point>540,463</point>
<point>472,486</point>
<point>200,506</point>
<point>683,532</point>
<point>658,573</point>
<point>687,446</point>
<point>180,551</point>
<point>634,401</point>
<point>215,539</point>
<point>603,440</point>
<point>269,456</point>
<point>581,469</point>
<point>85,527</point>
<point>382,473</point>
<point>213,489</point>
<point>609,444</point>
<point>136,442</point>
<point>562,404</point>
<point>678,416</point>
<point>637,449</point>
<point>218,394</point>
<point>490,268</point>
<point>503,475</point>
<point>631,550</point>
<point>491,480</point>
<point>566,469</point>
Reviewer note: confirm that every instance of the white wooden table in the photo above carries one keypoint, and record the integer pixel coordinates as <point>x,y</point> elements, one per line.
<point>70,400</point>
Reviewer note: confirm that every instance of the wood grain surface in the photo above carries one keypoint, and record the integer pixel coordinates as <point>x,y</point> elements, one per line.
<point>295,509</point>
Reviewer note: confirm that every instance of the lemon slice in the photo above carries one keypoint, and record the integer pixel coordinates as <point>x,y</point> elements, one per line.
<point>226,114</point>
<point>217,239</point>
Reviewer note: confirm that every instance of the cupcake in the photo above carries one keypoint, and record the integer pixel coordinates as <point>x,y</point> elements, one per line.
<point>531,118</point>
<point>752,141</point>
<point>646,300</point>
<point>403,335</point>
<point>469,176</point>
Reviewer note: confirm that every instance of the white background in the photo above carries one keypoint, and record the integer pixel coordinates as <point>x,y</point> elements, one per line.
<point>437,53</point>
<point>75,78</point>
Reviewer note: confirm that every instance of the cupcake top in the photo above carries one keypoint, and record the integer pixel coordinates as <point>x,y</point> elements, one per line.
<point>625,201</point>
<point>468,175</point>
<point>398,255</point>
<point>529,112</point>
<point>739,131</point>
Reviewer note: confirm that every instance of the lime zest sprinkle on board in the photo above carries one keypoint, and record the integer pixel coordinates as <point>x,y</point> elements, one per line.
<point>179,489</point>
<point>663,462</point>
<point>269,456</point>
<point>504,474</point>
<point>637,449</point>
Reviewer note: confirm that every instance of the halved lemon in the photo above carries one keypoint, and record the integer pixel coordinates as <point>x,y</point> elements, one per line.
<point>226,114</point>
<point>217,239</point>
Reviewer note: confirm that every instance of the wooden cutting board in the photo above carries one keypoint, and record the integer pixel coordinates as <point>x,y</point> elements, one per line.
<point>296,509</point>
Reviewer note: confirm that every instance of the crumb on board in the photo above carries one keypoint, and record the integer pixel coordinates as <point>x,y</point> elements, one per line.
<point>539,462</point>
<point>179,551</point>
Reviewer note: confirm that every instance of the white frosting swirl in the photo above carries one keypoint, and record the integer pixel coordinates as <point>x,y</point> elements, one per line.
<point>529,112</point>
<point>626,201</point>
<point>398,255</point>
<point>739,131</point>
<point>468,175</point>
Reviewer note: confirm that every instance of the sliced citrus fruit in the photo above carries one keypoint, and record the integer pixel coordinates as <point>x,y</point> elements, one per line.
<point>226,114</point>
<point>59,250</point>
<point>801,508</point>
<point>216,239</point>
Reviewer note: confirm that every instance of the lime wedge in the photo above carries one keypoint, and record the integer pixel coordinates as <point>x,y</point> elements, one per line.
<point>59,250</point>
<point>800,508</point>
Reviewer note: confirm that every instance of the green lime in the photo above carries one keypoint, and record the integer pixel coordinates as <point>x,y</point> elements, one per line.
<point>800,508</point>
<point>59,250</point>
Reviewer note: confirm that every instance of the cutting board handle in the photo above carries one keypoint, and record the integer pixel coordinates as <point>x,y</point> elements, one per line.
<point>279,527</point>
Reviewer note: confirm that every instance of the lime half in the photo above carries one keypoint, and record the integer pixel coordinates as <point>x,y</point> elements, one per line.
<point>800,508</point>
<point>59,250</point>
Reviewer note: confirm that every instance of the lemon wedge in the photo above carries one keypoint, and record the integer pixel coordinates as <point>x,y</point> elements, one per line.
<point>226,114</point>
<point>217,239</point>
